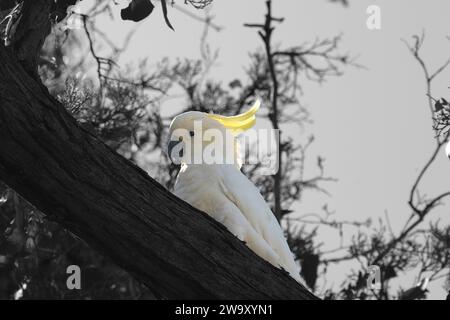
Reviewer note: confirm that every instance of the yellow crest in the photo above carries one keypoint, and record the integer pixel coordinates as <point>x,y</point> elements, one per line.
<point>240,122</point>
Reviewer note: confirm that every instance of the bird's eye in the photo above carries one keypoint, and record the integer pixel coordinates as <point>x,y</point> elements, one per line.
<point>180,138</point>
<point>191,133</point>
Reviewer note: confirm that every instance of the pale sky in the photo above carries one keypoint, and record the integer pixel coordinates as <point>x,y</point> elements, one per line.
<point>373,126</point>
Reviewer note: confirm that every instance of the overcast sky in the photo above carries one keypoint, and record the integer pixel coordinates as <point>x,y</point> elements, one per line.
<point>373,126</point>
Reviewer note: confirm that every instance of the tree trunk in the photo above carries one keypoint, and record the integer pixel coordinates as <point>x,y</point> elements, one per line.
<point>76,180</point>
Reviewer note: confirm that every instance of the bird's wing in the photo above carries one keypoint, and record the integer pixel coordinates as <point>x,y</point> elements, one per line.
<point>447,150</point>
<point>247,198</point>
<point>199,188</point>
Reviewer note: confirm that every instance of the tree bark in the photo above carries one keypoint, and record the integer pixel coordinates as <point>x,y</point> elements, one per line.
<point>76,180</point>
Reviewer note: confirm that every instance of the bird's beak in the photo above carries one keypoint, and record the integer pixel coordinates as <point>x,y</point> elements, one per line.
<point>177,154</point>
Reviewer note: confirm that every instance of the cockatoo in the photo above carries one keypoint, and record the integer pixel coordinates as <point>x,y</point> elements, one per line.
<point>220,189</point>
<point>447,150</point>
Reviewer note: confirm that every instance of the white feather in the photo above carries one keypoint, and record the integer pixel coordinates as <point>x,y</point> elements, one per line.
<point>229,197</point>
<point>447,150</point>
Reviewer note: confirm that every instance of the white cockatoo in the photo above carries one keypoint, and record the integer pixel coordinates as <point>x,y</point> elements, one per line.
<point>447,150</point>
<point>220,189</point>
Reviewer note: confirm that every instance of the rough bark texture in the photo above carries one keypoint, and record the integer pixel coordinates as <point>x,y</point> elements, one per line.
<point>76,180</point>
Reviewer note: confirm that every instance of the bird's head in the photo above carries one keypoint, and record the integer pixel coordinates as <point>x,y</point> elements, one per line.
<point>202,138</point>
